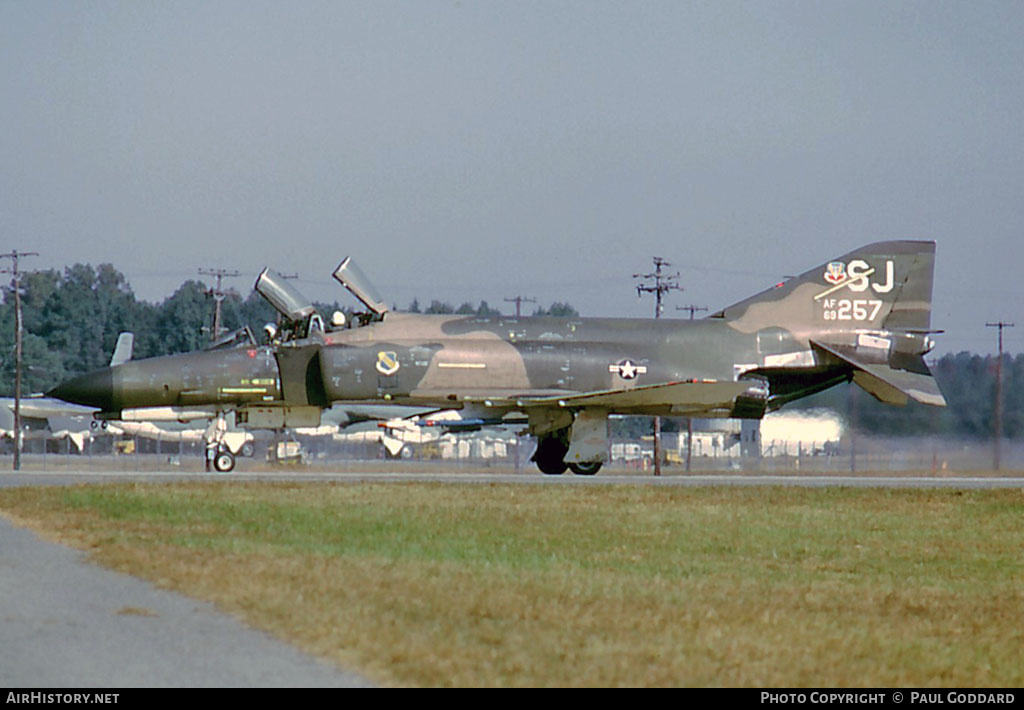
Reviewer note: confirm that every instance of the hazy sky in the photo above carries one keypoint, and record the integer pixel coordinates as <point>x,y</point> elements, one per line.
<point>473,151</point>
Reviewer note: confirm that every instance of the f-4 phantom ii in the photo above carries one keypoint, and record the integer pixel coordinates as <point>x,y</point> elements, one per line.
<point>863,317</point>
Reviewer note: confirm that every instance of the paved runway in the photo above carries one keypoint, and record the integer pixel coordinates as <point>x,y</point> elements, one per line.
<point>67,623</point>
<point>813,481</point>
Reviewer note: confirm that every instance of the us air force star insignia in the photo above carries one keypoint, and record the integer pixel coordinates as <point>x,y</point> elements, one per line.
<point>387,362</point>
<point>627,369</point>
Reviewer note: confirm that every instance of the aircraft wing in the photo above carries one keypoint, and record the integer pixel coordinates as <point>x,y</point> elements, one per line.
<point>46,407</point>
<point>344,414</point>
<point>490,397</point>
<point>889,384</point>
<point>684,396</point>
<point>74,428</point>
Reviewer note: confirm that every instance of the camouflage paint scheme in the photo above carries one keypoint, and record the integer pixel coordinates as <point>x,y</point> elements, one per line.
<point>863,317</point>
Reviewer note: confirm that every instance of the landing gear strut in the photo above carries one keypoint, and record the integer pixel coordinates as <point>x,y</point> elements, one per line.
<point>218,454</point>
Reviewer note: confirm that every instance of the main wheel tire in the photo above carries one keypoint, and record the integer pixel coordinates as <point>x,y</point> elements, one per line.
<point>552,468</point>
<point>550,456</point>
<point>224,461</point>
<point>247,449</point>
<point>585,469</point>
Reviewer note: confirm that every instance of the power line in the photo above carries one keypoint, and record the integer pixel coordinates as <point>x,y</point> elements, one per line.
<point>14,255</point>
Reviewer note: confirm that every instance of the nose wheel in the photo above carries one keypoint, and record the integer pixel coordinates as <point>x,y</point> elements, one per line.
<point>224,461</point>
<point>218,455</point>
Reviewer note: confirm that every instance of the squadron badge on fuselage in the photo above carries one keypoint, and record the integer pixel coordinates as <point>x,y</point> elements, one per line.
<point>387,362</point>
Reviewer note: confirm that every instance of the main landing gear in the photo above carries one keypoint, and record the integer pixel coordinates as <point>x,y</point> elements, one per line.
<point>550,457</point>
<point>585,469</point>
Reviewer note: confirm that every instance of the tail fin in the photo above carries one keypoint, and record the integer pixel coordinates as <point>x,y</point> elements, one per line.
<point>868,312</point>
<point>123,349</point>
<point>881,286</point>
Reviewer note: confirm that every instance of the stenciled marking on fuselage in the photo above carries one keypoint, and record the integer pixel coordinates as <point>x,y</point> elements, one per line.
<point>836,309</point>
<point>857,277</point>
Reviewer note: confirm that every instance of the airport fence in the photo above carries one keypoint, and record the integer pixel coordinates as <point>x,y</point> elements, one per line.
<point>936,455</point>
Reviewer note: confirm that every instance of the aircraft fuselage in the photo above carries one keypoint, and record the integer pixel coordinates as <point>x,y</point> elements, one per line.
<point>440,360</point>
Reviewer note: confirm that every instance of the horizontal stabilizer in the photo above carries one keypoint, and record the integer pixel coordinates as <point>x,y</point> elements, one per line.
<point>890,385</point>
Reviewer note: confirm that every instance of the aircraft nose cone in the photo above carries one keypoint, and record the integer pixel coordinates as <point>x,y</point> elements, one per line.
<point>93,389</point>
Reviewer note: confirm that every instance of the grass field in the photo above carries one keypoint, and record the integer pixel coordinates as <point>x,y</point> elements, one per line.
<point>518,585</point>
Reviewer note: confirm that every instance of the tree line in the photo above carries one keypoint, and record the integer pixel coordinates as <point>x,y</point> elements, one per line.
<point>968,382</point>
<point>558,309</point>
<point>72,320</point>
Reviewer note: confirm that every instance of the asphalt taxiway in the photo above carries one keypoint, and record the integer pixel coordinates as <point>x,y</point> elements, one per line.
<point>68,623</point>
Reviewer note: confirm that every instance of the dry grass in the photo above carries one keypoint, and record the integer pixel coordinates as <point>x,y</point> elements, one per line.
<point>426,584</point>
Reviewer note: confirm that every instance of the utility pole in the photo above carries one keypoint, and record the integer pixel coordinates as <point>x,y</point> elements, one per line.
<point>14,256</point>
<point>519,300</point>
<point>851,403</point>
<point>663,283</point>
<point>218,296</point>
<point>689,420</point>
<point>997,424</point>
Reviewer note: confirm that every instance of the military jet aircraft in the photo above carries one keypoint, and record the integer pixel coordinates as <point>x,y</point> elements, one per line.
<point>863,317</point>
<point>42,417</point>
